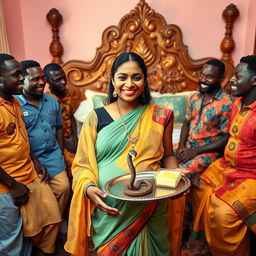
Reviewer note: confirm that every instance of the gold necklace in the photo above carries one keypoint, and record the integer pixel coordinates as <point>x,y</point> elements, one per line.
<point>132,140</point>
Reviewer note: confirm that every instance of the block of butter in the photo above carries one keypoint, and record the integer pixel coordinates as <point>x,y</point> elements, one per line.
<point>167,178</point>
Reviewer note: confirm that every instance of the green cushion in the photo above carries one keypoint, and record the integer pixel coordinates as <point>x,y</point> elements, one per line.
<point>176,103</point>
<point>95,99</point>
<point>98,100</point>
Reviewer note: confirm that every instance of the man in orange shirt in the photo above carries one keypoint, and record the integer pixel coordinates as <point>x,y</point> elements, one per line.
<point>23,213</point>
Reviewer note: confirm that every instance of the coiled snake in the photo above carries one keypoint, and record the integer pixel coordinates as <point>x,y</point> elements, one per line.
<point>137,189</point>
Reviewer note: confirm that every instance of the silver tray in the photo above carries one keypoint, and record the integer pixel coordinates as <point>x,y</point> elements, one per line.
<point>115,188</point>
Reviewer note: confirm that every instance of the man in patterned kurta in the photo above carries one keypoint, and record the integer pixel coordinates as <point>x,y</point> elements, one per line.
<point>57,81</point>
<point>204,132</point>
<point>227,194</point>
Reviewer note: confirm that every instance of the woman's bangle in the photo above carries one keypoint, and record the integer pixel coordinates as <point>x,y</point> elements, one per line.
<point>89,185</point>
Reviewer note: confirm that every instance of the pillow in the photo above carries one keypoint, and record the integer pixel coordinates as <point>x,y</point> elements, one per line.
<point>82,111</point>
<point>176,102</point>
<point>95,99</point>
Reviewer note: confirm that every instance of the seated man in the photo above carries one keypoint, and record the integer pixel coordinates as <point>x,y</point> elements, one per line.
<point>22,210</point>
<point>226,205</point>
<point>56,78</point>
<point>43,120</point>
<point>204,133</point>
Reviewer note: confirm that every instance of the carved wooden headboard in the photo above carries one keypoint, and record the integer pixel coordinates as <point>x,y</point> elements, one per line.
<point>145,32</point>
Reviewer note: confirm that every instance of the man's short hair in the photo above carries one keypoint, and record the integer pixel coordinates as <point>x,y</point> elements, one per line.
<point>51,67</point>
<point>251,61</point>
<point>3,58</point>
<point>217,63</point>
<point>25,64</point>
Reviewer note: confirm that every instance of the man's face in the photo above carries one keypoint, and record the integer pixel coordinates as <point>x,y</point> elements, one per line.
<point>58,81</point>
<point>209,79</point>
<point>241,82</point>
<point>12,79</point>
<point>35,82</point>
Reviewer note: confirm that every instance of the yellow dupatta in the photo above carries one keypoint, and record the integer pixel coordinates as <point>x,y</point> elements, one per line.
<point>84,173</point>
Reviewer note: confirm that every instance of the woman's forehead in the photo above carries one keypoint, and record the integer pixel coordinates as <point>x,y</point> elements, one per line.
<point>129,67</point>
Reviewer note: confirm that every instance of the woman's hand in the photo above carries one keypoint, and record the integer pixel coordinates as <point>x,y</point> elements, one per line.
<point>95,194</point>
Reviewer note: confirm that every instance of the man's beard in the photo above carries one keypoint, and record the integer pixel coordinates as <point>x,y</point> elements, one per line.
<point>57,92</point>
<point>210,89</point>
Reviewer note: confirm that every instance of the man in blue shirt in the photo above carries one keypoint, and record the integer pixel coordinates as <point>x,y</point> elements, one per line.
<point>43,118</point>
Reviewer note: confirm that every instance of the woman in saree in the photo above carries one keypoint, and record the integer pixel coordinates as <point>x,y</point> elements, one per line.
<point>128,121</point>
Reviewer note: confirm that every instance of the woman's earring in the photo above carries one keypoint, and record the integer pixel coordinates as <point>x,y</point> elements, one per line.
<point>114,94</point>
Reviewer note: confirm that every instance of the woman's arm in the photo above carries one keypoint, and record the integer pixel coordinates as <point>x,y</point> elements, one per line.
<point>85,166</point>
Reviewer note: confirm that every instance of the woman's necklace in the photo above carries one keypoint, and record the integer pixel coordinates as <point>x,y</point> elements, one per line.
<point>132,140</point>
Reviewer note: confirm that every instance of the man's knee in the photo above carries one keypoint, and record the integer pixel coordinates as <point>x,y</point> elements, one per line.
<point>221,212</point>
<point>61,184</point>
<point>65,186</point>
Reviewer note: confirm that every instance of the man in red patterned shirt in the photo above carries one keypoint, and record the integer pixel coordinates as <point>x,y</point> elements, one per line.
<point>56,78</point>
<point>204,132</point>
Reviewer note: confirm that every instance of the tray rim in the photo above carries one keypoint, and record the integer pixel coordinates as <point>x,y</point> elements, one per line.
<point>146,199</point>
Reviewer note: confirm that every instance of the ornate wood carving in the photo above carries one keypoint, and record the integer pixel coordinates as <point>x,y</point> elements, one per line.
<point>145,32</point>
<point>228,45</point>
<point>54,17</point>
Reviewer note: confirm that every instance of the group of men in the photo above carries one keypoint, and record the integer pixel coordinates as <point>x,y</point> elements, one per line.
<point>39,140</point>
<point>36,129</point>
<point>222,204</point>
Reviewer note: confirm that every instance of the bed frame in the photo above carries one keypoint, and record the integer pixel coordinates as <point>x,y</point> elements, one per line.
<point>145,32</point>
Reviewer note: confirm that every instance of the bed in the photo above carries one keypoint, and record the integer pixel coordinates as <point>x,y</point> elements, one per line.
<point>172,72</point>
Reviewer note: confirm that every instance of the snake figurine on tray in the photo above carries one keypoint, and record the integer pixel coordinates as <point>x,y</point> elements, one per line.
<point>141,187</point>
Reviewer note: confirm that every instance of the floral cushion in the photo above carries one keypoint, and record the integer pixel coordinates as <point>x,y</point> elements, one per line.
<point>176,103</point>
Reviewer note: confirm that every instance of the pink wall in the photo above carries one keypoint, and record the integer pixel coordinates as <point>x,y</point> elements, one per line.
<point>250,28</point>
<point>84,20</point>
<point>14,28</point>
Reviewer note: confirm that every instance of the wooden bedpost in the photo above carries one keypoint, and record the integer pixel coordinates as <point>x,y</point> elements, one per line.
<point>54,17</point>
<point>228,45</point>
